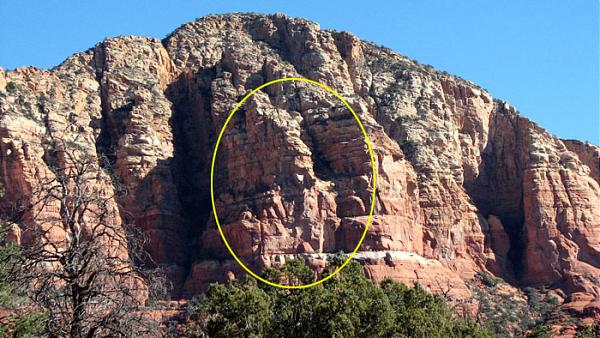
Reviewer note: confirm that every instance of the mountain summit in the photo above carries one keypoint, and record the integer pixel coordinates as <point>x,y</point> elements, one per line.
<point>466,186</point>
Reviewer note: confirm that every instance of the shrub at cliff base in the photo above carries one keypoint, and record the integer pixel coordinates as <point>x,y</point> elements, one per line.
<point>348,305</point>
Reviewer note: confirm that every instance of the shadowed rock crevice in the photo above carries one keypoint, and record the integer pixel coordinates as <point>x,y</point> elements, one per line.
<point>193,139</point>
<point>105,143</point>
<point>107,140</point>
<point>498,189</point>
<point>321,166</point>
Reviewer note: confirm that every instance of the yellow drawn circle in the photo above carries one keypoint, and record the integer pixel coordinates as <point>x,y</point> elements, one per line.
<point>212,190</point>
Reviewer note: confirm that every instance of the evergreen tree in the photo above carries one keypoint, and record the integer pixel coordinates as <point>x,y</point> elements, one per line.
<point>347,305</point>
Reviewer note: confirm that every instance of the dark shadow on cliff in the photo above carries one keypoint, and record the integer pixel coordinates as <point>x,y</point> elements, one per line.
<point>498,190</point>
<point>193,135</point>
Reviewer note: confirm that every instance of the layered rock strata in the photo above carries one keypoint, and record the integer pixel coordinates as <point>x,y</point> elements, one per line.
<point>465,183</point>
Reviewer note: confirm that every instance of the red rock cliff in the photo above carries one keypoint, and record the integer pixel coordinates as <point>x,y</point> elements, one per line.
<point>465,183</point>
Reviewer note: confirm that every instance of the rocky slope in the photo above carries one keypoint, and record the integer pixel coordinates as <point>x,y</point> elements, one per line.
<point>465,184</point>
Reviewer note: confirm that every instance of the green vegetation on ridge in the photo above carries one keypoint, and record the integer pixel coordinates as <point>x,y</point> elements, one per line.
<point>348,305</point>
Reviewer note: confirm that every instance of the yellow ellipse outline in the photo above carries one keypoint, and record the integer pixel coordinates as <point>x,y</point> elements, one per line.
<point>212,193</point>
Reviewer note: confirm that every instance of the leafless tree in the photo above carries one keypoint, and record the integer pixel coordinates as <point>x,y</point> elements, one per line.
<point>445,288</point>
<point>78,262</point>
<point>460,306</point>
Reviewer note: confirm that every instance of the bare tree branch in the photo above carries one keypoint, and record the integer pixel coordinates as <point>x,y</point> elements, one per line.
<point>90,272</point>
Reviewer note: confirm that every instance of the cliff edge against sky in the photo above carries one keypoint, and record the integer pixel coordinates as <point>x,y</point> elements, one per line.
<point>465,184</point>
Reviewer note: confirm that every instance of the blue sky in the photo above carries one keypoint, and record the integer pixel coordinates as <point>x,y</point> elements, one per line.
<point>541,56</point>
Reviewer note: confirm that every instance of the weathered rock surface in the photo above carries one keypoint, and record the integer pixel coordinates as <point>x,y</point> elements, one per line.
<point>465,183</point>
<point>588,154</point>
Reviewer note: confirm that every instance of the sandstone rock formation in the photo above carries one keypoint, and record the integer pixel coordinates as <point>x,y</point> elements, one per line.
<point>465,183</point>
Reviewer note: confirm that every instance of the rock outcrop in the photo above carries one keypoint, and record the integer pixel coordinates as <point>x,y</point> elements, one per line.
<point>465,183</point>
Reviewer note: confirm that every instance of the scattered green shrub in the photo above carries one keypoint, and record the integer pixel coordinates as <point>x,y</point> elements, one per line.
<point>409,148</point>
<point>12,87</point>
<point>540,331</point>
<point>406,119</point>
<point>31,325</point>
<point>347,305</point>
<point>487,279</point>
<point>592,331</point>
